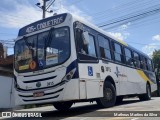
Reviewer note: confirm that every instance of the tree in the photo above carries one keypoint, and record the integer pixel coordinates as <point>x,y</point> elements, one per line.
<point>156,60</point>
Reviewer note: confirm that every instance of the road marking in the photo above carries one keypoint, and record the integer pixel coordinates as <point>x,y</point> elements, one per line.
<point>134,118</point>
<point>83,118</point>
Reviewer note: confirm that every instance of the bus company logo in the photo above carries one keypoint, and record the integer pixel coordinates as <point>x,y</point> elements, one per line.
<point>90,71</point>
<point>117,72</point>
<point>38,84</point>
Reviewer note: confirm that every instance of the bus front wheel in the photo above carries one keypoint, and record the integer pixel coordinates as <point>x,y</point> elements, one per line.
<point>109,96</point>
<point>62,106</point>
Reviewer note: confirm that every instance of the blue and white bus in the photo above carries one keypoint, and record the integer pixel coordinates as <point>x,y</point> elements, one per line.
<point>63,59</point>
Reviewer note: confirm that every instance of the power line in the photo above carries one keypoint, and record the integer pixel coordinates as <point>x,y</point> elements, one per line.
<point>49,5</point>
<point>139,23</point>
<point>31,19</point>
<point>73,3</point>
<point>117,9</point>
<point>132,18</point>
<point>129,8</point>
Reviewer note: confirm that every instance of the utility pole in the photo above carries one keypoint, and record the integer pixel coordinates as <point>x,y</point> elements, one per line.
<point>45,7</point>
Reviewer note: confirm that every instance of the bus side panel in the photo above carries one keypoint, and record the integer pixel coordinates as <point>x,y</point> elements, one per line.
<point>94,89</point>
<point>137,80</point>
<point>90,75</point>
<point>83,90</point>
<point>137,83</point>
<point>71,90</point>
<point>153,87</point>
<point>110,70</point>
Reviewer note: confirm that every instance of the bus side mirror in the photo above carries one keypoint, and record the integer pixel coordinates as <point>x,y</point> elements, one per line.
<point>85,38</point>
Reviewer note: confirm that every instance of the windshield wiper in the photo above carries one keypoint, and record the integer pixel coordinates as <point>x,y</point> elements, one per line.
<point>24,38</point>
<point>28,45</point>
<point>49,38</point>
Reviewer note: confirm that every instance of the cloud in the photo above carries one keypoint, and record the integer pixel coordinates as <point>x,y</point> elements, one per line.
<point>24,13</point>
<point>124,26</point>
<point>61,6</point>
<point>150,48</point>
<point>119,35</point>
<point>156,37</point>
<point>21,15</point>
<point>121,32</point>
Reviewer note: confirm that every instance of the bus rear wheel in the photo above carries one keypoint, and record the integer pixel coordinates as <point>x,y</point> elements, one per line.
<point>62,106</point>
<point>147,95</point>
<point>109,96</point>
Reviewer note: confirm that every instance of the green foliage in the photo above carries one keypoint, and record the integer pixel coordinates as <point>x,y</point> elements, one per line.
<point>156,59</point>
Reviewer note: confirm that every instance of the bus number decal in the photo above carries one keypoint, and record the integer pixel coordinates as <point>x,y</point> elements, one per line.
<point>108,69</point>
<point>50,84</point>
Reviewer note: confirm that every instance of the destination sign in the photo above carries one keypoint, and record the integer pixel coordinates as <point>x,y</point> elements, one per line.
<point>42,24</point>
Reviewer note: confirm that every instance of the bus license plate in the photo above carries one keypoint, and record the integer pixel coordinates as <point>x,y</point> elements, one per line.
<point>38,94</point>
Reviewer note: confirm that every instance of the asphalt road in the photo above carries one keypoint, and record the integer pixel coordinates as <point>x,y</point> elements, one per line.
<point>129,109</point>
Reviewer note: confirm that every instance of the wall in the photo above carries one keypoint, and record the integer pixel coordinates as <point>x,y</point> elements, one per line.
<point>6,92</point>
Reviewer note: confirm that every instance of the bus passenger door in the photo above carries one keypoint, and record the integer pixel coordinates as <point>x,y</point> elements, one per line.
<point>89,69</point>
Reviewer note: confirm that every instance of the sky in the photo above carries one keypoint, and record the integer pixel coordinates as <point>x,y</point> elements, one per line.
<point>143,34</point>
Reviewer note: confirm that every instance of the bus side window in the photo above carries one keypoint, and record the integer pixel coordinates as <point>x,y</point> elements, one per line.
<point>118,52</point>
<point>104,47</point>
<point>143,63</point>
<point>149,63</point>
<point>86,43</point>
<point>79,40</point>
<point>89,45</point>
<point>146,62</point>
<point>128,57</point>
<point>136,60</point>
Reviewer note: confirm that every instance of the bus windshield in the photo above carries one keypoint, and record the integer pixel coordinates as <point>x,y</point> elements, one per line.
<point>42,50</point>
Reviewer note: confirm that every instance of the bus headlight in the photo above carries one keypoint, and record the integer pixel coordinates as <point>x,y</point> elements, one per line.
<point>69,75</point>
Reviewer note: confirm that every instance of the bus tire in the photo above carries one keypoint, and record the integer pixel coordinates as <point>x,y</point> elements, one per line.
<point>147,95</point>
<point>62,106</point>
<point>119,99</point>
<point>109,96</point>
